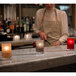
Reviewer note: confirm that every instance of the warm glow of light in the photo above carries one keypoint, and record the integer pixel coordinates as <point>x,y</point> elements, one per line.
<point>16,37</point>
<point>40,44</point>
<point>27,35</point>
<point>70,41</point>
<point>6,48</point>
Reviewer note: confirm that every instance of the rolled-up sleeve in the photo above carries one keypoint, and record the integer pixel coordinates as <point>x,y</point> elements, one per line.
<point>64,28</point>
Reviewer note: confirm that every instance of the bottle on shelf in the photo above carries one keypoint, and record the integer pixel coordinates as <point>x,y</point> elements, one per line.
<point>1,23</point>
<point>31,24</point>
<point>25,28</point>
<point>4,25</point>
<point>12,27</point>
<point>8,30</point>
<point>17,25</point>
<point>15,28</point>
<point>22,27</point>
<point>1,29</point>
<point>8,25</point>
<point>33,21</point>
<point>22,23</point>
<point>27,25</point>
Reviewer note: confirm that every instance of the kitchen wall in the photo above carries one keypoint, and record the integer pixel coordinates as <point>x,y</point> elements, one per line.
<point>29,11</point>
<point>10,12</point>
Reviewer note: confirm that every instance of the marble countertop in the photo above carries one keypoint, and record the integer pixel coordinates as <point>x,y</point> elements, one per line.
<point>30,60</point>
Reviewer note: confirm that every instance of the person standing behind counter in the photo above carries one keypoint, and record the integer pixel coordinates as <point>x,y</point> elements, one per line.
<point>51,24</point>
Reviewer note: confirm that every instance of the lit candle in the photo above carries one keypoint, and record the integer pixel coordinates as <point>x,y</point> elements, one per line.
<point>27,36</point>
<point>70,43</point>
<point>40,45</point>
<point>6,50</point>
<point>16,38</point>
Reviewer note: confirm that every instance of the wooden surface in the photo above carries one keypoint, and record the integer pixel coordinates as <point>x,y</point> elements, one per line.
<point>20,42</point>
<point>30,60</point>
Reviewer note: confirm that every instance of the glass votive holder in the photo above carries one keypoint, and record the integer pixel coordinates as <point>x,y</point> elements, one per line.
<point>16,38</point>
<point>70,44</point>
<point>40,46</point>
<point>6,50</point>
<point>28,36</point>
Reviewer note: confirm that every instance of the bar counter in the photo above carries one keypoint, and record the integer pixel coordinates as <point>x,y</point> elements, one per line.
<point>28,60</point>
<point>20,42</point>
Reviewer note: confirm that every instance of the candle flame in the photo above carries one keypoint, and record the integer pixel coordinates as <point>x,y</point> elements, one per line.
<point>70,41</point>
<point>6,48</point>
<point>40,44</point>
<point>16,36</point>
<point>27,35</point>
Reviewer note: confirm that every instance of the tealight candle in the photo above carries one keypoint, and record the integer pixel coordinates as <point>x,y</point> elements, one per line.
<point>27,36</point>
<point>6,50</point>
<point>40,45</point>
<point>16,38</point>
<point>70,43</point>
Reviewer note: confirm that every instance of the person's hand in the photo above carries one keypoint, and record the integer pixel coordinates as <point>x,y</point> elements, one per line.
<point>56,43</point>
<point>43,35</point>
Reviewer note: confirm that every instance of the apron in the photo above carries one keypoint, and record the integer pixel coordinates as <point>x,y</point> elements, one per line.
<point>52,29</point>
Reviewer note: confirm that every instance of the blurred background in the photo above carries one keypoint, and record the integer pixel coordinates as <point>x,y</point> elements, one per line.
<point>21,14</point>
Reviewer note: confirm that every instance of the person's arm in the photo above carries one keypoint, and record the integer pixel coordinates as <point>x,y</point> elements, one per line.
<point>64,27</point>
<point>63,38</point>
<point>36,26</point>
<point>64,30</point>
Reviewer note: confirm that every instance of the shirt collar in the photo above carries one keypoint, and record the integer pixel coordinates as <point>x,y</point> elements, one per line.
<point>50,10</point>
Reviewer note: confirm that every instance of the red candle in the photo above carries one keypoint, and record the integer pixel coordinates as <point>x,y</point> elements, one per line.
<point>70,43</point>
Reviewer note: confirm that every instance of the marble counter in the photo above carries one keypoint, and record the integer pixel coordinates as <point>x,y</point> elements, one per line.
<point>29,60</point>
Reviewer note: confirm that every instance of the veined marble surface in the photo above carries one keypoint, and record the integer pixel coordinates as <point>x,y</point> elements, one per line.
<point>30,60</point>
